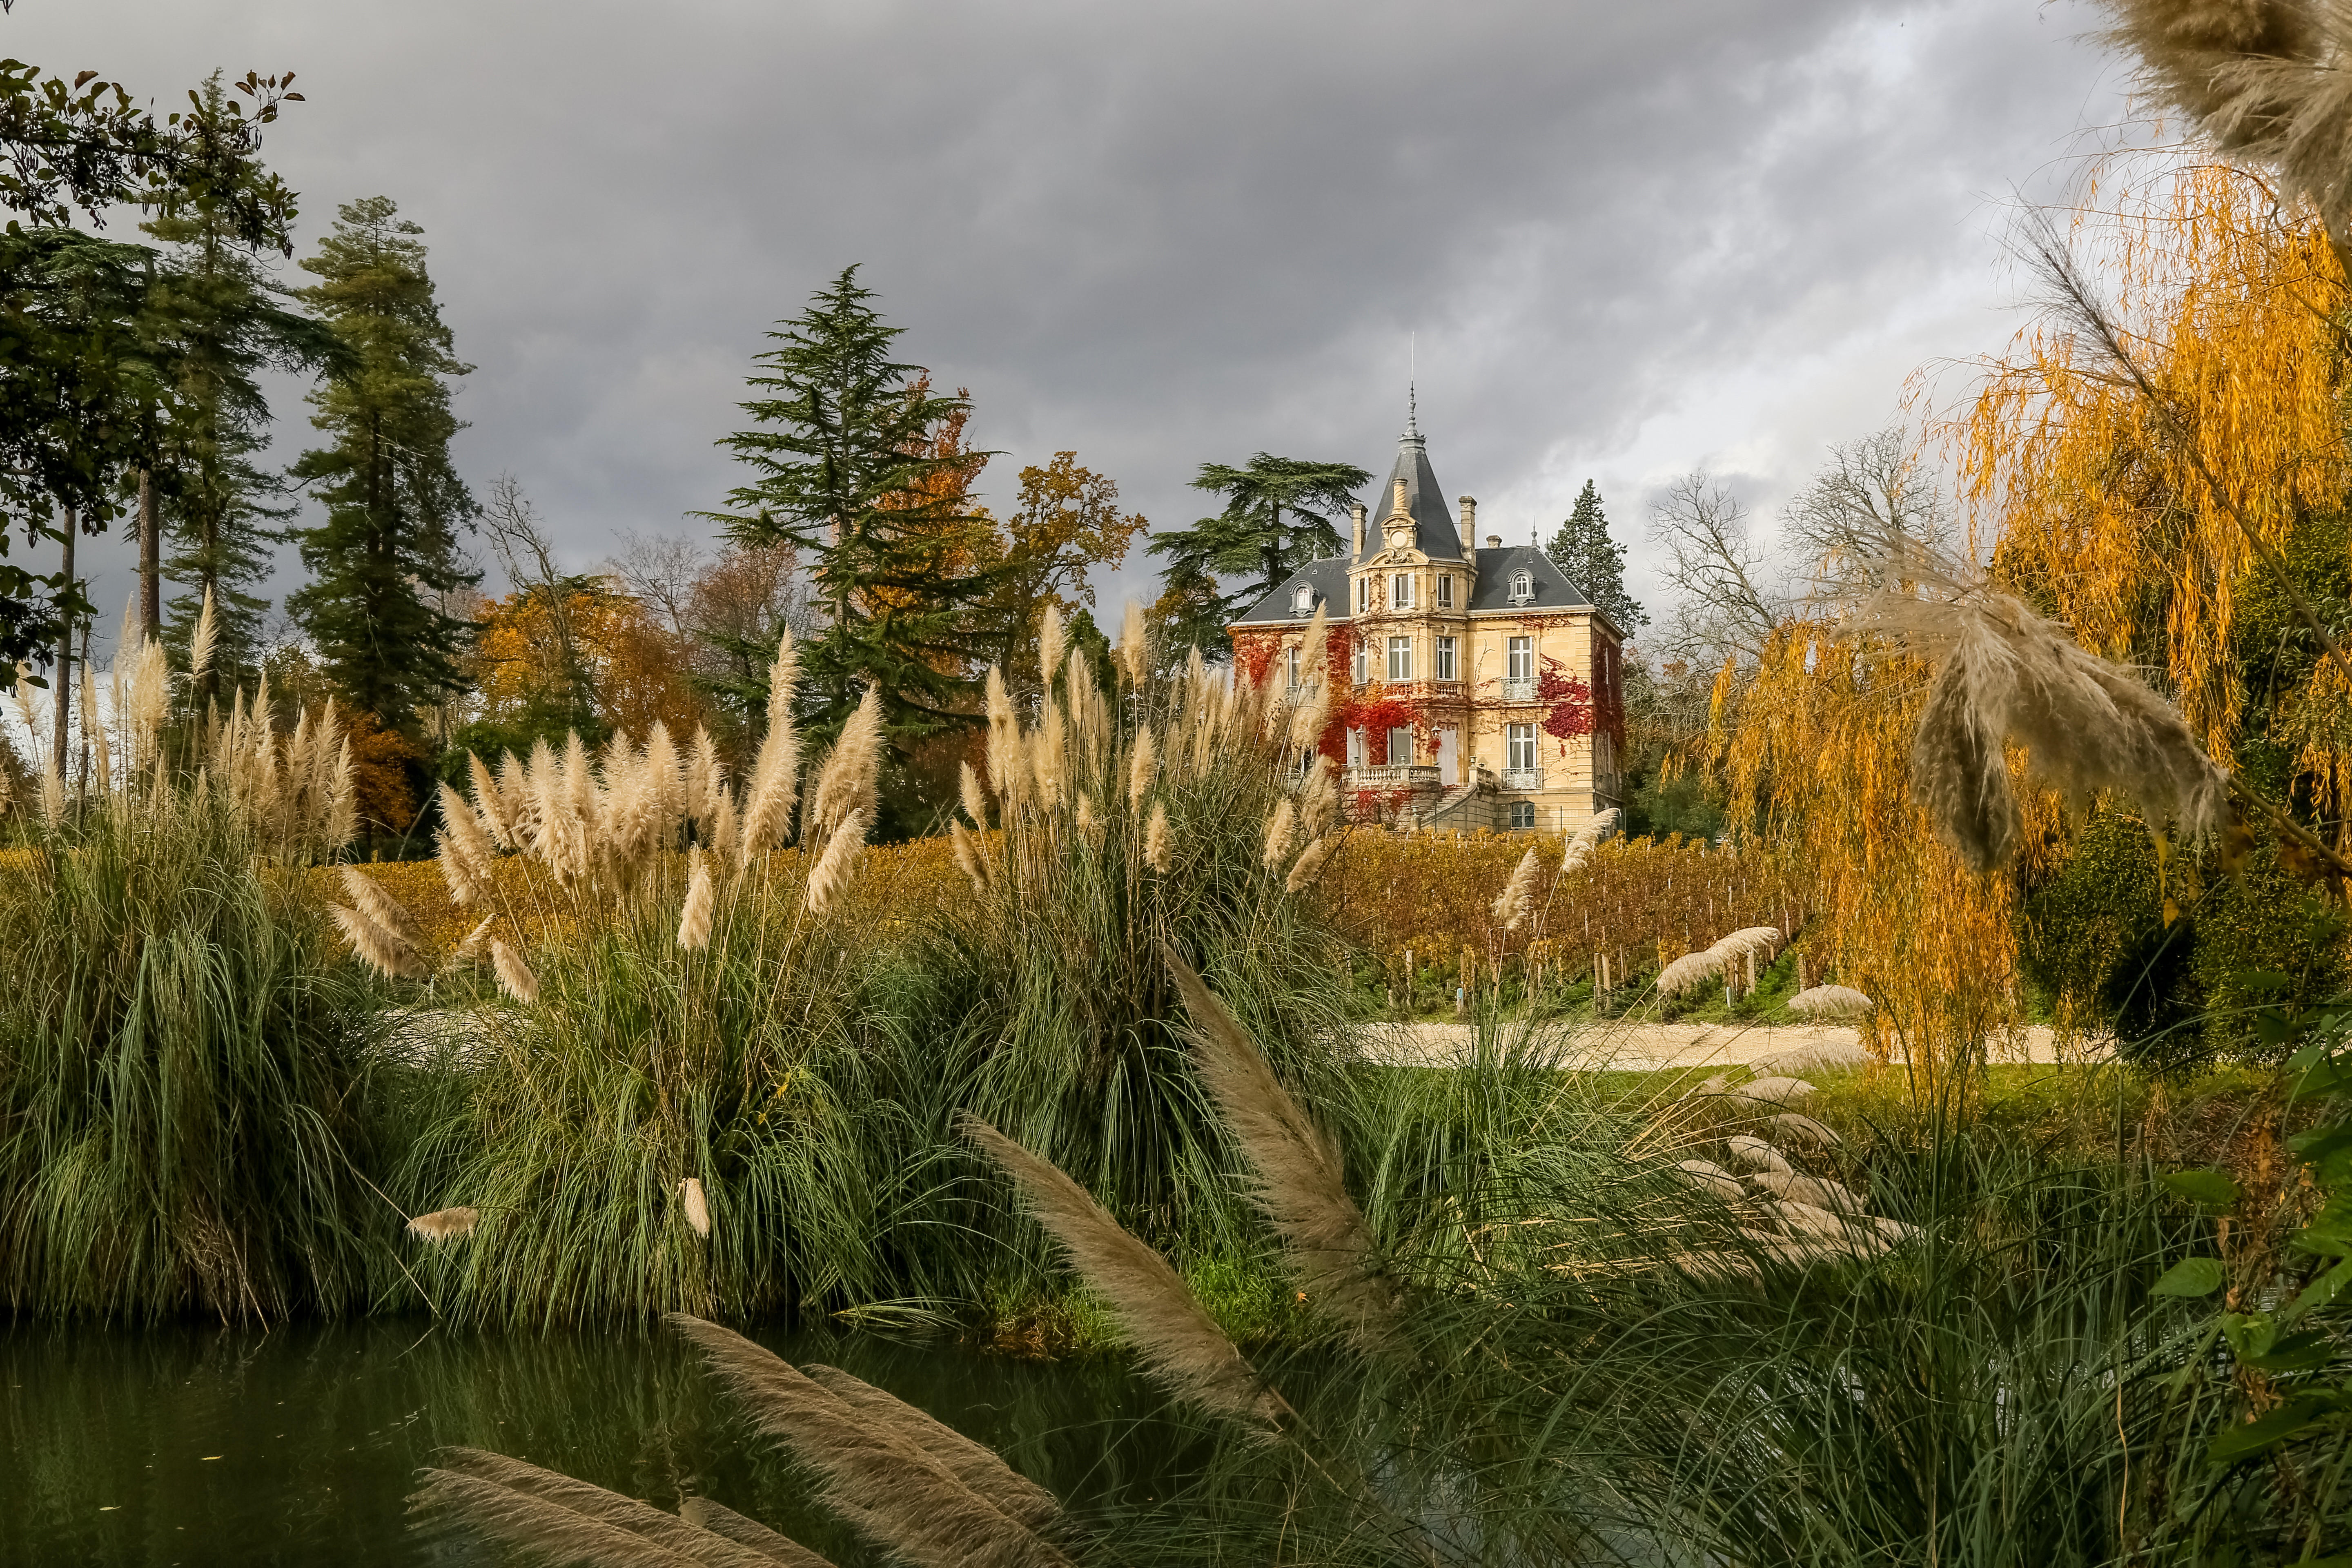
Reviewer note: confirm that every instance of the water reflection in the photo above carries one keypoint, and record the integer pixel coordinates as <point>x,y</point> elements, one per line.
<point>190,1446</point>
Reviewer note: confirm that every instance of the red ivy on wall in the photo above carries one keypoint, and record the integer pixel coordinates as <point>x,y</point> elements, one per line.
<point>1254,654</point>
<point>1568,711</point>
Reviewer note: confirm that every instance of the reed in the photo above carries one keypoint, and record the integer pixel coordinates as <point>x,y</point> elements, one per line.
<point>1169,820</point>
<point>182,1093</point>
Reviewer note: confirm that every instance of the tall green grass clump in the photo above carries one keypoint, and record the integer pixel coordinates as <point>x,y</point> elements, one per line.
<point>183,1071</point>
<point>657,1103</point>
<point>1110,828</point>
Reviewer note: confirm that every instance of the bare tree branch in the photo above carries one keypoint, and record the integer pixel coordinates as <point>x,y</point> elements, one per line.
<point>1724,606</point>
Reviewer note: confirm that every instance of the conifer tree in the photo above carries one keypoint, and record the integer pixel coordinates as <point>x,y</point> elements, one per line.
<point>1280,515</point>
<point>217,323</point>
<point>1589,558</point>
<point>388,549</point>
<point>848,471</point>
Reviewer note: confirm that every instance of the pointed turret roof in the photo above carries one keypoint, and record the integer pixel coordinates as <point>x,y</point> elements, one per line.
<point>1433,531</point>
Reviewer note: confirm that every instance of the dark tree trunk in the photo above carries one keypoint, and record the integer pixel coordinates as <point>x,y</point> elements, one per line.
<point>63,695</point>
<point>151,556</point>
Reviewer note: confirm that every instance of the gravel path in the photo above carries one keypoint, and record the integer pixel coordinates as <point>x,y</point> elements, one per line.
<point>1646,1047</point>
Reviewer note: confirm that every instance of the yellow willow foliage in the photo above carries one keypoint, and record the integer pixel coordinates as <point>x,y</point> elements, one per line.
<point>2094,495</point>
<point>1818,745</point>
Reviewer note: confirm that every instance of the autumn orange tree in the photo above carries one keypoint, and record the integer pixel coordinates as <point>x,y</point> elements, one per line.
<point>638,670</point>
<point>2162,465</point>
<point>1065,522</point>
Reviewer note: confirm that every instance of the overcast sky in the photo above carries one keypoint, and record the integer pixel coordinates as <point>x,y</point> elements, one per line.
<point>1627,240</point>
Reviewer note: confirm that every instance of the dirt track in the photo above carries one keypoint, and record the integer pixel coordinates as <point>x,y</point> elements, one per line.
<point>1649,1047</point>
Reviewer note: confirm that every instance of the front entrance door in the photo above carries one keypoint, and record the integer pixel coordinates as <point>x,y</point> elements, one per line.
<point>1449,761</point>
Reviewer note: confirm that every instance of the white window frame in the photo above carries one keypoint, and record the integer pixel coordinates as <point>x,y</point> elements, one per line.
<point>1294,660</point>
<point>1522,587</point>
<point>1399,755</point>
<point>1400,658</point>
<point>1303,599</point>
<point>1355,748</point>
<point>1400,590</point>
<point>1519,748</point>
<point>1522,654</point>
<point>1360,662</point>
<point>1445,591</point>
<point>1363,594</point>
<point>1447,666</point>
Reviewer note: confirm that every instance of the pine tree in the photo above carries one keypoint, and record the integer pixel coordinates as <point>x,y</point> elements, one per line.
<point>388,550</point>
<point>850,472</point>
<point>1589,558</point>
<point>216,323</point>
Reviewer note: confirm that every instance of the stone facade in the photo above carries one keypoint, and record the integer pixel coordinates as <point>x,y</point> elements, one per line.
<point>1474,686</point>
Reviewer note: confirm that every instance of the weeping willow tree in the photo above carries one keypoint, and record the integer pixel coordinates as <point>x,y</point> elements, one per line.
<point>1816,746</point>
<point>2162,464</point>
<point>2152,512</point>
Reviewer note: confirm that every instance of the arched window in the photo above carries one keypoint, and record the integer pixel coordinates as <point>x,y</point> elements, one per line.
<point>1522,587</point>
<point>1303,599</point>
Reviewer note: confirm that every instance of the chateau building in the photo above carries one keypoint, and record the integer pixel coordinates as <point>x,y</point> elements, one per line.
<point>1471,686</point>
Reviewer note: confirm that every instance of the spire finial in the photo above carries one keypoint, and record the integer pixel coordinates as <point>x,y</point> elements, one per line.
<point>1412,409</point>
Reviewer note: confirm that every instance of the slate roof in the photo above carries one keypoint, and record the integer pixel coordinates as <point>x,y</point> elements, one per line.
<point>1328,577</point>
<point>1436,538</point>
<point>1496,568</point>
<point>1433,523</point>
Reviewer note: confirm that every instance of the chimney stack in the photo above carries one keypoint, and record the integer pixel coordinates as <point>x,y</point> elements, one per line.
<point>1470,531</point>
<point>1356,516</point>
<point>1494,541</point>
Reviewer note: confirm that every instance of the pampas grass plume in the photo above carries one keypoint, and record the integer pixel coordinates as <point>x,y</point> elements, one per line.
<point>381,950</point>
<point>968,856</point>
<point>1280,828</point>
<point>975,802</point>
<point>470,948</point>
<point>1158,852</point>
<point>1304,870</point>
<point>1296,1166</point>
<point>2009,675</point>
<point>897,1490</point>
<point>1517,899</point>
<point>1179,1343</point>
<point>381,907</point>
<point>694,921</point>
<point>515,978</point>
<point>833,869</point>
<point>444,1224</point>
<point>1005,759</point>
<point>1142,768</point>
<point>1049,646</point>
<point>1829,1002</point>
<point>1687,973</point>
<point>845,784</point>
<point>694,1205</point>
<point>1134,651</point>
<point>202,640</point>
<point>466,852</point>
<point>491,807</point>
<point>722,1520</point>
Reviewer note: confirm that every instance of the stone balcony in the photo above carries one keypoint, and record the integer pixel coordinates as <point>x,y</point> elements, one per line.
<point>1392,775</point>
<point>1523,778</point>
<point>1519,690</point>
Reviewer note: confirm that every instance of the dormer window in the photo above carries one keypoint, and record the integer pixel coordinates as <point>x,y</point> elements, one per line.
<point>1522,587</point>
<point>1303,599</point>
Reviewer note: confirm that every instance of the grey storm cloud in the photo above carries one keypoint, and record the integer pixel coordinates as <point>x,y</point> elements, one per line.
<point>1624,239</point>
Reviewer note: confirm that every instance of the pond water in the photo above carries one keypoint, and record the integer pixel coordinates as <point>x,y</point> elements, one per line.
<point>193,1445</point>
